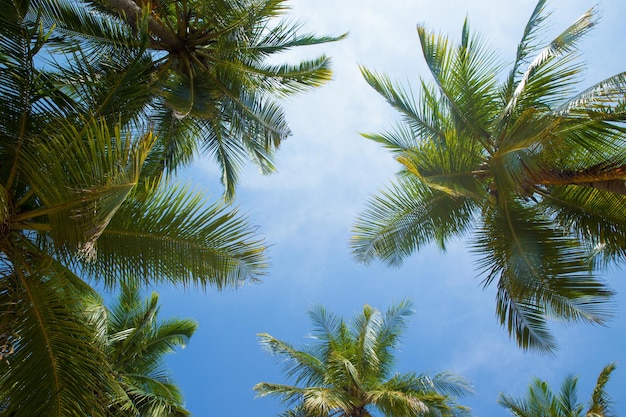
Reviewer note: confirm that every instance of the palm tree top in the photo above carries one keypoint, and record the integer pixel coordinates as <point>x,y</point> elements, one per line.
<point>348,370</point>
<point>541,401</point>
<point>531,171</point>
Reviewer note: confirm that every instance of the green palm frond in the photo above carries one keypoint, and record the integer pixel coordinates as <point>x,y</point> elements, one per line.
<point>288,35</point>
<point>414,395</point>
<point>289,394</point>
<point>540,400</point>
<point>49,333</point>
<point>177,145</point>
<point>595,216</point>
<point>601,404</point>
<point>524,320</point>
<point>567,404</point>
<point>540,272</point>
<point>527,45</point>
<point>604,100</point>
<point>304,367</point>
<point>540,74</point>
<point>93,171</point>
<point>117,85</point>
<point>406,217</point>
<point>137,343</point>
<point>398,403</point>
<point>466,80</point>
<point>366,328</point>
<point>172,235</point>
<point>283,79</point>
<point>229,154</point>
<point>424,119</point>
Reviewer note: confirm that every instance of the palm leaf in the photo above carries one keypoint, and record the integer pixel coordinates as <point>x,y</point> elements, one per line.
<point>600,404</point>
<point>424,121</point>
<point>56,354</point>
<point>172,235</point>
<point>406,217</point>
<point>305,367</point>
<point>594,216</point>
<point>564,43</point>
<point>539,271</point>
<point>94,170</point>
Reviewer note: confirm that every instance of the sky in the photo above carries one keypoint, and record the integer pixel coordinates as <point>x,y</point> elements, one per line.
<point>326,172</point>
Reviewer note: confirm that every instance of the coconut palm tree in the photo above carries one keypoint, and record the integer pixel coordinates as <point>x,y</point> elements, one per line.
<point>77,207</point>
<point>135,342</point>
<point>348,371</point>
<point>540,401</point>
<point>532,171</point>
<point>205,73</point>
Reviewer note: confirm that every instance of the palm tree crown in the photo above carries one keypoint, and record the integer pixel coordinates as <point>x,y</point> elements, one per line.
<point>348,371</point>
<point>202,73</point>
<point>135,342</point>
<point>533,170</point>
<point>542,402</point>
<point>80,198</point>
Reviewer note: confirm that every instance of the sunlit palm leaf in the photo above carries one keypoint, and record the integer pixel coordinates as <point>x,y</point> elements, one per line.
<point>407,217</point>
<point>82,178</point>
<point>137,342</point>
<point>563,44</point>
<point>601,404</point>
<point>173,235</point>
<point>301,365</point>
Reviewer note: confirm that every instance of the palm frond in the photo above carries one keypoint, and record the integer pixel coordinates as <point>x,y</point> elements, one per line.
<point>567,401</point>
<point>172,235</point>
<point>594,216</point>
<point>94,169</point>
<point>136,343</point>
<point>563,44</point>
<point>305,368</point>
<point>540,272</point>
<point>289,394</point>
<point>406,217</point>
<point>51,333</point>
<point>600,404</point>
<point>424,121</point>
<point>526,46</point>
<point>466,80</point>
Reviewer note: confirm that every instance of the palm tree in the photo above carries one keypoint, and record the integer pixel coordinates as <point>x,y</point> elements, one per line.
<point>542,402</point>
<point>78,203</point>
<point>348,371</point>
<point>135,342</point>
<point>204,72</point>
<point>534,172</point>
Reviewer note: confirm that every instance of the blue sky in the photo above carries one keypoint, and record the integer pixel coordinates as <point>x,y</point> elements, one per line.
<point>326,171</point>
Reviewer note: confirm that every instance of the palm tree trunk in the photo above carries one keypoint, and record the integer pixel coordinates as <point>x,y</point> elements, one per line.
<point>612,180</point>
<point>132,12</point>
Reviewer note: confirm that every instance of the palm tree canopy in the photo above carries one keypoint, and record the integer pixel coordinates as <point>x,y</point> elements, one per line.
<point>202,74</point>
<point>540,401</point>
<point>348,370</point>
<point>80,198</point>
<point>531,170</point>
<point>136,342</point>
